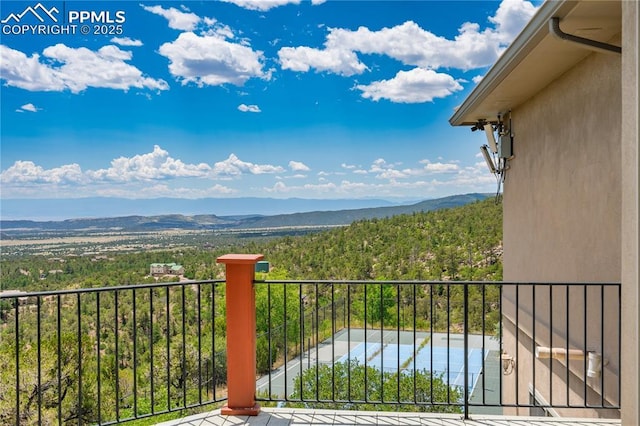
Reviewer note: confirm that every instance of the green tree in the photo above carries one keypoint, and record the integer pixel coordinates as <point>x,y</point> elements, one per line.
<point>357,387</point>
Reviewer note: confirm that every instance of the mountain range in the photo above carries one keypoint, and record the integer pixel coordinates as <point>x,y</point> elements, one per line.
<point>101,207</point>
<point>324,217</point>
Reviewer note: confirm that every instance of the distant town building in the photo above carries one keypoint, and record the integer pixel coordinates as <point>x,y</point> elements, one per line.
<point>101,257</point>
<point>166,269</point>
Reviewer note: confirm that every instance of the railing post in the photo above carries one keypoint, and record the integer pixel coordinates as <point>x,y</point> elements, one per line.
<point>466,351</point>
<point>241,334</point>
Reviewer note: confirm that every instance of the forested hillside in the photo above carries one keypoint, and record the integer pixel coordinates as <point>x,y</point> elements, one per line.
<point>449,244</point>
<point>129,339</point>
<point>462,243</point>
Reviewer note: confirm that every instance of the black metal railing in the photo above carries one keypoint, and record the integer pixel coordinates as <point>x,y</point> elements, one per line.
<point>440,346</point>
<point>109,355</point>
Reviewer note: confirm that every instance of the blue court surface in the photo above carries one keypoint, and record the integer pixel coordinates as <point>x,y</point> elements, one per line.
<point>450,365</point>
<point>447,363</point>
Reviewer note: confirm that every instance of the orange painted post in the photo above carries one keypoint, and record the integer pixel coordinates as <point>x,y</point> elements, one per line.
<point>241,334</point>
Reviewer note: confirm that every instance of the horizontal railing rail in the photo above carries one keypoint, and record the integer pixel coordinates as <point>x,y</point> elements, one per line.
<point>110,355</point>
<point>440,346</point>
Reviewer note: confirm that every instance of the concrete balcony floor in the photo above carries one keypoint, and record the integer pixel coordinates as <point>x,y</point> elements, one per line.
<point>290,416</point>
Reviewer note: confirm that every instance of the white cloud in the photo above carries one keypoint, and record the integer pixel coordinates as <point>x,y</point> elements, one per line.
<point>477,79</point>
<point>153,168</point>
<point>126,41</point>
<point>261,5</point>
<point>470,179</point>
<point>390,181</point>
<point>265,5</point>
<point>278,187</point>
<point>19,70</point>
<point>185,20</point>
<point>210,60</point>
<point>440,167</point>
<point>22,172</point>
<point>339,61</point>
<point>160,190</point>
<point>154,165</point>
<point>511,17</point>
<point>380,164</point>
<point>220,30</point>
<point>408,43</point>
<point>414,86</point>
<point>209,21</point>
<point>344,188</point>
<point>477,176</point>
<point>157,174</point>
<point>384,170</point>
<point>298,166</point>
<point>157,165</point>
<point>220,189</point>
<point>28,108</point>
<point>178,20</point>
<point>74,69</point>
<point>249,108</point>
<point>233,166</point>
<point>322,188</point>
<point>391,171</point>
<point>393,174</point>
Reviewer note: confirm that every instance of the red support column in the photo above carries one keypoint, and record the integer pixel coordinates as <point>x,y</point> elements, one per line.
<point>241,334</point>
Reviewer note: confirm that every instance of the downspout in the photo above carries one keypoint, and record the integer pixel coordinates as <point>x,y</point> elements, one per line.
<point>554,28</point>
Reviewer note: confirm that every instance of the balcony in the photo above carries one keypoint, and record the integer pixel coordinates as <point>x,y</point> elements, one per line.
<point>319,352</point>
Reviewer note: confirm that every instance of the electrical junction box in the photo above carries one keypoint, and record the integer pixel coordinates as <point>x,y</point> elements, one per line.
<point>262,266</point>
<point>505,148</point>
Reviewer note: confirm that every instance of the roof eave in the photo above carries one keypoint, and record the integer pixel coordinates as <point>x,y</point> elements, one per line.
<point>524,43</point>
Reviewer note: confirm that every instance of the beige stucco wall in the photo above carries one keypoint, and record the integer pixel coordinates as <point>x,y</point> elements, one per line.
<point>562,196</point>
<point>562,212</point>
<point>630,217</point>
<point>534,320</point>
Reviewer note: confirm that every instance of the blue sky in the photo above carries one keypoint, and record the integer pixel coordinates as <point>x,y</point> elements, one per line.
<point>271,98</point>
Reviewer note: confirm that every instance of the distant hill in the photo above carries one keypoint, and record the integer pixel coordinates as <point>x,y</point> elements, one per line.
<point>100,207</point>
<point>210,221</point>
<point>345,217</point>
<point>464,242</point>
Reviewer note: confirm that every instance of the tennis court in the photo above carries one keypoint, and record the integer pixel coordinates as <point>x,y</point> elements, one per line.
<point>448,363</point>
<point>386,351</point>
<point>362,353</point>
<point>378,357</point>
<point>442,361</point>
